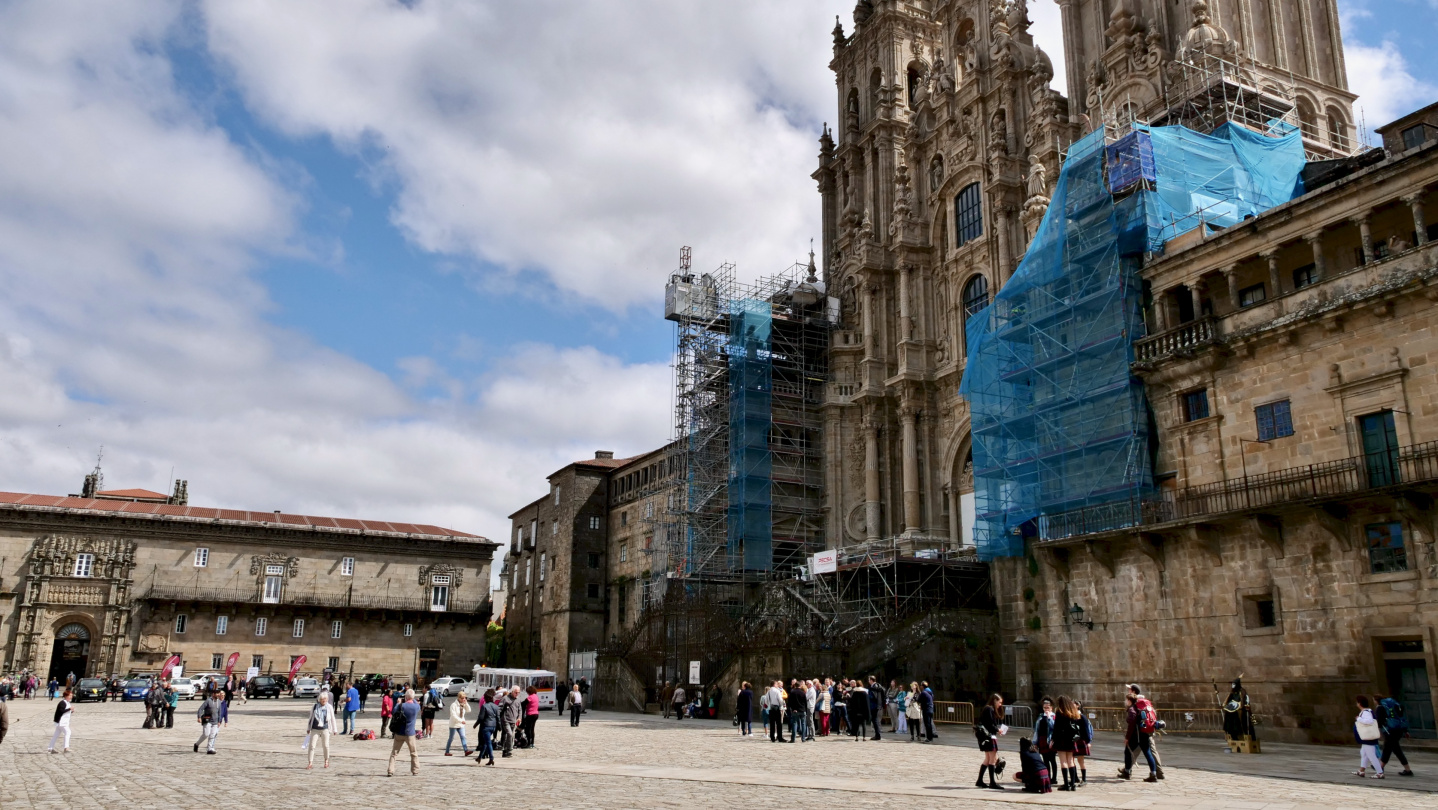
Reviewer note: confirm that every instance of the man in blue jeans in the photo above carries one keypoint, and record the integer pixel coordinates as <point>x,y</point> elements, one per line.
<point>352,704</point>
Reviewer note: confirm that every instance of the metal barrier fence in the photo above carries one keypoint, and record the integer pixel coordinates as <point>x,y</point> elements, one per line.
<point>950,712</point>
<point>1019,716</point>
<point>1178,719</point>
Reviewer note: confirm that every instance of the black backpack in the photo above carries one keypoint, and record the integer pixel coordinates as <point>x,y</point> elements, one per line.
<point>398,723</point>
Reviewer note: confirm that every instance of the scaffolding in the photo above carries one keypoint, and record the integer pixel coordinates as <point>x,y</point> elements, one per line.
<point>1060,425</point>
<point>750,366</point>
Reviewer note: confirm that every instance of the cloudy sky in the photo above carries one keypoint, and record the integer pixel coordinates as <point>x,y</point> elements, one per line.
<point>402,260</point>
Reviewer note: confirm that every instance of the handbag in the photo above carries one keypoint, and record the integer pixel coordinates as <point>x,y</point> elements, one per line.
<point>913,712</point>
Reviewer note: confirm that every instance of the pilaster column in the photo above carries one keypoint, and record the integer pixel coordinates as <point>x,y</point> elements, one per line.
<point>871,477</point>
<point>1074,65</point>
<point>1001,227</point>
<point>1195,293</point>
<point>906,321</point>
<point>1365,231</point>
<point>1315,243</point>
<point>1271,256</point>
<point>1420,226</point>
<point>868,303</point>
<point>908,421</point>
<point>1160,312</point>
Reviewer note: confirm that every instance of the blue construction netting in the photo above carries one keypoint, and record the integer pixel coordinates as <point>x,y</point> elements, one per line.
<point>1060,425</point>
<point>751,372</point>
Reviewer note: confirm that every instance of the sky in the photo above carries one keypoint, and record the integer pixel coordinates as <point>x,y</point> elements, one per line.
<point>402,260</point>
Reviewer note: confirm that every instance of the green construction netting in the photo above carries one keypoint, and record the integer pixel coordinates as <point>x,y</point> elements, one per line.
<point>751,372</point>
<point>1060,425</point>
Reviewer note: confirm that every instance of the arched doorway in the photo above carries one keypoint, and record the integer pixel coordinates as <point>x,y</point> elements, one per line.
<point>71,653</point>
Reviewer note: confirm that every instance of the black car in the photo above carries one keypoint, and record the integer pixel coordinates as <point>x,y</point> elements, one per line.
<point>262,686</point>
<point>92,689</point>
<point>283,681</point>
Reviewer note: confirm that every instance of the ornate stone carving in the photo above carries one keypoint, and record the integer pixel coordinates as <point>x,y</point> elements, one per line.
<point>1205,38</point>
<point>151,643</point>
<point>454,572</point>
<point>259,562</point>
<point>54,555</point>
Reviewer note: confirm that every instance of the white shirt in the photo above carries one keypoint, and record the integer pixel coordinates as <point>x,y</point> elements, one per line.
<point>576,697</point>
<point>776,697</point>
<point>67,710</point>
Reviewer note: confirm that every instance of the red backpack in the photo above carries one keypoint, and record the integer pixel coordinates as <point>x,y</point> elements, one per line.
<point>1147,716</point>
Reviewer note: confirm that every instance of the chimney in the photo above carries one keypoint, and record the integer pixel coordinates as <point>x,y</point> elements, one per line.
<point>604,454</point>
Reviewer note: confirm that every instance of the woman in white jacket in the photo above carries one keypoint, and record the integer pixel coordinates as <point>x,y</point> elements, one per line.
<point>1365,730</point>
<point>457,715</point>
<point>321,726</point>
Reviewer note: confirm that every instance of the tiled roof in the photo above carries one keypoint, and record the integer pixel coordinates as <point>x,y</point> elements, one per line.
<point>160,511</point>
<point>134,493</point>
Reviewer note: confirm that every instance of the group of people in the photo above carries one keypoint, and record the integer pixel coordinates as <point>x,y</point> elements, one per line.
<point>504,719</point>
<point>812,708</point>
<point>1381,724</point>
<point>24,686</point>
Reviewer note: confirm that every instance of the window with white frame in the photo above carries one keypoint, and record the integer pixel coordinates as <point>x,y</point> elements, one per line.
<point>556,494</point>
<point>222,625</point>
<point>439,598</point>
<point>336,628</point>
<point>528,569</point>
<point>274,582</point>
<point>84,565</point>
<point>217,660</point>
<point>334,663</point>
<point>408,630</point>
<point>533,531</point>
<point>202,557</point>
<point>649,509</point>
<point>347,566</point>
<point>180,621</point>
<point>554,528</point>
<point>624,552</point>
<point>257,661</point>
<point>543,558</point>
<point>299,631</point>
<point>261,625</point>
<point>594,522</point>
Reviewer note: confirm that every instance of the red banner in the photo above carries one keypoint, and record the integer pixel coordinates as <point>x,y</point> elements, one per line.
<point>170,663</point>
<point>230,664</point>
<point>295,667</point>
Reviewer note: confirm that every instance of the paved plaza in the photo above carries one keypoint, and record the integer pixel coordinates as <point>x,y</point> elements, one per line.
<point>619,760</point>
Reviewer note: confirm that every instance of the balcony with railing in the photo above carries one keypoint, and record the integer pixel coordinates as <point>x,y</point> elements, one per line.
<point>1185,338</point>
<point>301,597</point>
<point>1309,485</point>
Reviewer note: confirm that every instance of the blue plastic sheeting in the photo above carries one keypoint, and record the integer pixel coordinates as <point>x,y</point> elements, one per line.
<point>1060,426</point>
<point>751,372</point>
<point>1130,162</point>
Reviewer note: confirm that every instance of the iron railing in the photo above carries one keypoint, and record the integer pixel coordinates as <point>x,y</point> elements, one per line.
<point>294,597</point>
<point>1177,719</point>
<point>1184,337</point>
<point>1403,466</point>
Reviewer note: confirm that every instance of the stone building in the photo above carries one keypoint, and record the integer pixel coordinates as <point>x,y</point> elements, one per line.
<point>641,502</point>
<point>117,581</point>
<point>1290,371</point>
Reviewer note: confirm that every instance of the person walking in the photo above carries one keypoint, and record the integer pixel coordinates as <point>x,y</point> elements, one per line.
<point>489,720</point>
<point>229,692</point>
<point>321,726</point>
<point>913,714</point>
<point>402,725</point>
<point>1138,735</point>
<point>1066,732</point>
<point>744,709</point>
<point>63,710</point>
<point>433,705</point>
<point>51,687</point>
<point>172,702</point>
<point>531,715</point>
<point>988,727</point>
<point>208,716</point>
<point>576,705</point>
<point>386,711</point>
<point>676,699</point>
<point>458,716</point>
<point>352,705</point>
<point>1142,703</point>
<point>1394,726</point>
<point>667,699</point>
<point>877,701</point>
<point>1368,735</point>
<point>511,715</point>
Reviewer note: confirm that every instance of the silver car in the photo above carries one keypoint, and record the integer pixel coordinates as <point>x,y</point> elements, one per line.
<point>306,688</point>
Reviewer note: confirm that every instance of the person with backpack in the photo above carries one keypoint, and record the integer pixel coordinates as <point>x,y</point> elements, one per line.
<point>926,705</point>
<point>1142,722</point>
<point>386,711</point>
<point>62,722</point>
<point>208,716</point>
<point>988,727</point>
<point>433,704</point>
<point>321,726</point>
<point>1083,746</point>
<point>1043,741</point>
<point>1394,727</point>
<point>402,726</point>
<point>489,720</point>
<point>1368,735</point>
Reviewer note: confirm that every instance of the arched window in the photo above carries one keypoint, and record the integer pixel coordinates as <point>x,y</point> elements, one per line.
<point>914,78</point>
<point>968,215</point>
<point>976,295</point>
<point>1337,130</point>
<point>1307,120</point>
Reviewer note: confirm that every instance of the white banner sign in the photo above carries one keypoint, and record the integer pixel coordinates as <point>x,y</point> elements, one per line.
<point>694,673</point>
<point>826,562</point>
<point>252,672</point>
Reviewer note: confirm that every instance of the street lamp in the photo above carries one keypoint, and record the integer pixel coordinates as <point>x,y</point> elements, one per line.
<point>1076,617</point>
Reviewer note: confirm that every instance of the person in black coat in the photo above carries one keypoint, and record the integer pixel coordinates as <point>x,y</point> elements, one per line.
<point>858,710</point>
<point>1066,733</point>
<point>987,729</point>
<point>744,709</point>
<point>798,705</point>
<point>1032,770</point>
<point>877,699</point>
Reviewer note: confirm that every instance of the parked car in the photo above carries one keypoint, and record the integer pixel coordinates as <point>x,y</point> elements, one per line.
<point>448,686</point>
<point>136,689</point>
<point>203,680</point>
<point>91,689</point>
<point>184,688</point>
<point>306,688</point>
<point>262,686</point>
<point>283,681</point>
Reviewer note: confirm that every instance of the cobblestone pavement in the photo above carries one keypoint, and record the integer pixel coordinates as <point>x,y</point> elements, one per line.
<point>610,760</point>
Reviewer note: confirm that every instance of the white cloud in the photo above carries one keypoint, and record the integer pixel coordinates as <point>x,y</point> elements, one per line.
<point>1048,34</point>
<point>584,141</point>
<point>130,226</point>
<point>1385,86</point>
